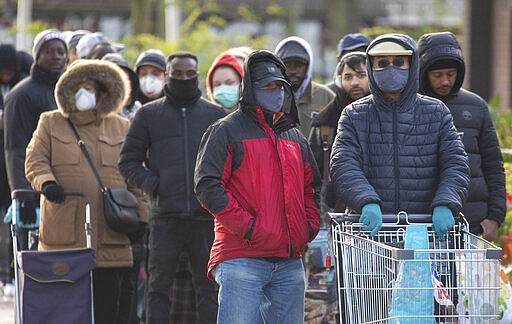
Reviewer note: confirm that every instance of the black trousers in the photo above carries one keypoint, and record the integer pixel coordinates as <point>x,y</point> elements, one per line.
<point>107,292</point>
<point>167,239</point>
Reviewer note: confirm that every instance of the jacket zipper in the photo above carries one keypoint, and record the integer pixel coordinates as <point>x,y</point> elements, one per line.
<point>185,149</point>
<point>289,246</point>
<point>395,159</point>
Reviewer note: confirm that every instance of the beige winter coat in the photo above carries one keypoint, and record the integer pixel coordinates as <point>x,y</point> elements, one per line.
<point>54,155</point>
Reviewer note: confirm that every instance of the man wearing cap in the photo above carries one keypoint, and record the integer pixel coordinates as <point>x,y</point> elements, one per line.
<point>158,156</point>
<point>311,97</point>
<point>256,175</point>
<point>408,155</point>
<point>442,72</point>
<point>355,42</point>
<point>150,68</point>
<point>23,106</point>
<point>72,39</point>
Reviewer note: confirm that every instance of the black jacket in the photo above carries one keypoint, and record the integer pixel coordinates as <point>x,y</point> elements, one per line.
<point>403,154</point>
<point>159,154</point>
<point>486,197</point>
<point>329,117</point>
<point>22,108</point>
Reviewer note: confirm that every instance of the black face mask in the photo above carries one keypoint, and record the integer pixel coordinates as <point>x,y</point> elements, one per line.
<point>183,90</point>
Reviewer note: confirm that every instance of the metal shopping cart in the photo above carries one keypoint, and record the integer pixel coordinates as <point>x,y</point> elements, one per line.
<point>463,281</point>
<point>53,286</point>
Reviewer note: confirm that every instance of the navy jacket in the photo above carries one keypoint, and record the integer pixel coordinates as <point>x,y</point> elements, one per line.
<point>403,154</point>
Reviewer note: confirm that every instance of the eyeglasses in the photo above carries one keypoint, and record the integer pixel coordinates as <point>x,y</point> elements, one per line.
<point>383,63</point>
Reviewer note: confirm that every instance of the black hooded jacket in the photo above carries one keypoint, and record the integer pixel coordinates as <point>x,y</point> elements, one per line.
<point>22,108</point>
<point>403,154</point>
<point>486,197</point>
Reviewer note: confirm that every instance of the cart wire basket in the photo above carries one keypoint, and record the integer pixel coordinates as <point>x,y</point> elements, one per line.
<point>379,280</point>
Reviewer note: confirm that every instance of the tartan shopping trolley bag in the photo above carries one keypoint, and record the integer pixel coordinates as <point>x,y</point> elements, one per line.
<point>53,286</point>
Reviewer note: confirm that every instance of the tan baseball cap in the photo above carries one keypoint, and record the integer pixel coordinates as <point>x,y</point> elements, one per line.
<point>388,48</point>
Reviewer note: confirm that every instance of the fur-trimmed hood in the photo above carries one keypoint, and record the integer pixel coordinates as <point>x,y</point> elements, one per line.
<point>114,86</point>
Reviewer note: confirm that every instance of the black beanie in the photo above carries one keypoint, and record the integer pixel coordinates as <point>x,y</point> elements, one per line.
<point>443,64</point>
<point>293,51</point>
<point>46,36</point>
<point>7,57</point>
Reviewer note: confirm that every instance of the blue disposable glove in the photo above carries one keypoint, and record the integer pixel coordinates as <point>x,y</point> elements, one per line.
<point>371,216</point>
<point>442,220</point>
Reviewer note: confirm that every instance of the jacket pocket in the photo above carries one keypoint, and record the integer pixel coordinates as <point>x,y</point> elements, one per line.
<point>111,237</point>
<point>59,223</point>
<point>65,150</point>
<point>110,148</point>
<point>267,235</point>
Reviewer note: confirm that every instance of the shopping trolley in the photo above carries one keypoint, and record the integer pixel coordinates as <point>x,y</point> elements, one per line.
<point>53,286</point>
<point>462,285</point>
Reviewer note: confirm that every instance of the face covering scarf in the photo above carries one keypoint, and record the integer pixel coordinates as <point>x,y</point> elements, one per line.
<point>391,79</point>
<point>183,89</point>
<point>85,100</point>
<point>270,99</point>
<point>226,95</point>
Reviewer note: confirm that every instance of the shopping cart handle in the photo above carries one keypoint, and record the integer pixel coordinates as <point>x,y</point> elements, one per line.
<point>400,218</point>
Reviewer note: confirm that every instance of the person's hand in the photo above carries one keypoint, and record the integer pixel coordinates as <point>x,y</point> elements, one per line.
<point>53,192</point>
<point>371,216</point>
<point>442,220</point>
<point>27,211</point>
<point>489,229</point>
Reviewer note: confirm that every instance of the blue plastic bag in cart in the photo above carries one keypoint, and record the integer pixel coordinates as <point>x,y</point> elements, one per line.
<point>412,295</point>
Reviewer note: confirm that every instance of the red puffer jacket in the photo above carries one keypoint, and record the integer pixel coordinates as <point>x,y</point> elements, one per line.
<point>261,184</point>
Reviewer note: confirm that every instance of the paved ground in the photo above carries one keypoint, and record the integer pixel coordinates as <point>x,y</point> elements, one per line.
<point>6,312</point>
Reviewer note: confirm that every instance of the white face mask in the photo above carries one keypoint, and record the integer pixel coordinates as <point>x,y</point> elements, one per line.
<point>151,86</point>
<point>85,100</point>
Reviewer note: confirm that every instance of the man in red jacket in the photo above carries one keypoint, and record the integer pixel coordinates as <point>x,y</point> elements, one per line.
<point>257,176</point>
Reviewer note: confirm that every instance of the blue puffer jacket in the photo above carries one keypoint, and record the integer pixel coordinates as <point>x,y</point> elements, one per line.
<point>403,154</point>
<point>471,116</point>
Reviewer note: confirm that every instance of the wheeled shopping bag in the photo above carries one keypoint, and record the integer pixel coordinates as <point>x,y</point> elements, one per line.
<point>385,279</point>
<point>53,286</point>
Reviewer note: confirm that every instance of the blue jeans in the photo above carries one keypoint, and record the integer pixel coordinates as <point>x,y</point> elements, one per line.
<point>254,290</point>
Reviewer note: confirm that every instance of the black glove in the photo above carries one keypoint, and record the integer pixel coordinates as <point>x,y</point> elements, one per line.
<point>27,211</point>
<point>53,192</point>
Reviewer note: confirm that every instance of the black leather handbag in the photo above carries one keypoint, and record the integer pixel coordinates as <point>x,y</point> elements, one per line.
<point>119,204</point>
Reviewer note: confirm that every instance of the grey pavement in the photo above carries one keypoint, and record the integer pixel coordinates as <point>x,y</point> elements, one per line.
<point>6,312</point>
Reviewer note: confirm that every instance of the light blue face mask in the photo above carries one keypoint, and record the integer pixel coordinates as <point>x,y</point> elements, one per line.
<point>226,95</point>
<point>391,79</point>
<point>270,99</point>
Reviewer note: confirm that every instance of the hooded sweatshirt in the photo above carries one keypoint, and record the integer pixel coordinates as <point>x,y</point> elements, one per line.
<point>222,60</point>
<point>471,116</point>
<point>402,154</point>
<point>311,97</point>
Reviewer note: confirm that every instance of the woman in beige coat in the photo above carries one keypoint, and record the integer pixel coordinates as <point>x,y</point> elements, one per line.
<point>89,94</point>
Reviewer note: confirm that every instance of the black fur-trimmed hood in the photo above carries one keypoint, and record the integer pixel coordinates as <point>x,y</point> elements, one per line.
<point>114,86</point>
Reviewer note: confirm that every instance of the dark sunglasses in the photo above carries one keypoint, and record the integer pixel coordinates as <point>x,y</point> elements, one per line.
<point>397,61</point>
